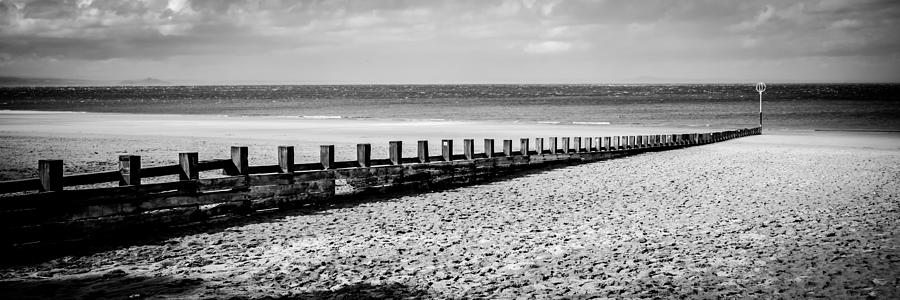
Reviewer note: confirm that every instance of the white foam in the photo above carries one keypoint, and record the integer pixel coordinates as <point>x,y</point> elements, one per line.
<point>321,117</point>
<point>548,122</point>
<point>590,123</point>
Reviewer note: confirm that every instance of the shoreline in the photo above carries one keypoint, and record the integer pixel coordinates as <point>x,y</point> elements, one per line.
<point>90,142</point>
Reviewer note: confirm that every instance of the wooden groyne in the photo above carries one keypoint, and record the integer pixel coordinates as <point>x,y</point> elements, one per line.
<point>47,211</point>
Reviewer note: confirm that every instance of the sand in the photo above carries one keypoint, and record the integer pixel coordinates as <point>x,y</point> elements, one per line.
<point>783,215</point>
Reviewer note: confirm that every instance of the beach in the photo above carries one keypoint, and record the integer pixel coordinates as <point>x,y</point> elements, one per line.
<point>789,214</point>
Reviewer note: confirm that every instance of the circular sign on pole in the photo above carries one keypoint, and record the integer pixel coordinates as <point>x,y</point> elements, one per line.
<point>760,87</point>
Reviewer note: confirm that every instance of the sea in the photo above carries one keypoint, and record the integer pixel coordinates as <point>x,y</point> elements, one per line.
<point>865,107</point>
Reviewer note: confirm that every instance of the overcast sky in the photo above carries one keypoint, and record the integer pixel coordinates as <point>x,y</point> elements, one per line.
<point>395,41</point>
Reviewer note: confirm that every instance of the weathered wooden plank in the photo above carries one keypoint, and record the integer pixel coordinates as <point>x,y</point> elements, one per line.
<point>364,155</point>
<point>129,170</point>
<point>20,185</point>
<point>469,149</point>
<point>552,145</point>
<point>286,159</point>
<point>395,152</point>
<point>188,163</point>
<point>91,178</point>
<point>161,171</point>
<point>225,183</point>
<point>523,146</point>
<point>50,171</point>
<point>489,148</point>
<point>214,164</point>
<point>326,156</point>
<point>507,148</point>
<point>423,151</point>
<point>539,145</point>
<point>447,150</point>
<point>239,163</point>
<point>264,169</point>
<point>307,167</point>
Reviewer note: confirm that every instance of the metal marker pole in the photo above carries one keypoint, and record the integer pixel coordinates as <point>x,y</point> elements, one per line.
<point>760,88</point>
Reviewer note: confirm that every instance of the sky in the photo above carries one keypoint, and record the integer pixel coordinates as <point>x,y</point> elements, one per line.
<point>446,42</point>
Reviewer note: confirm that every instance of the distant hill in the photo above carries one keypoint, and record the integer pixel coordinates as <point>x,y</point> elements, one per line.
<point>30,81</point>
<point>145,81</point>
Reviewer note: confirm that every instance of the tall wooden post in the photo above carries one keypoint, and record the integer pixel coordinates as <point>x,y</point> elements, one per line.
<point>50,172</point>
<point>188,162</point>
<point>577,143</point>
<point>239,163</point>
<point>364,155</point>
<point>326,156</point>
<point>539,145</point>
<point>554,149</point>
<point>395,152</point>
<point>447,149</point>
<point>639,143</point>
<point>489,148</point>
<point>469,149</point>
<point>523,146</point>
<point>606,143</point>
<point>507,147</point>
<point>423,151</point>
<point>286,159</point>
<point>130,169</point>
<point>565,145</point>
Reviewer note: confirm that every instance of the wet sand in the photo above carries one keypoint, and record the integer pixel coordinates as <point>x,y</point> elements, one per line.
<point>783,215</point>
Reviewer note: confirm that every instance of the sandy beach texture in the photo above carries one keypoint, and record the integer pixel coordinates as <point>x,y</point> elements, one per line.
<point>783,215</point>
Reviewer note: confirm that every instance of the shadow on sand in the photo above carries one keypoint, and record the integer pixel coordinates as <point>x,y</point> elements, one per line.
<point>153,236</point>
<point>117,285</point>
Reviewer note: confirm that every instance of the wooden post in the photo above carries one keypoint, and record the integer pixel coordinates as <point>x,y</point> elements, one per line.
<point>631,142</point>
<point>447,149</point>
<point>539,145</point>
<point>606,145</point>
<point>50,172</point>
<point>507,147</point>
<point>130,169</point>
<point>326,156</point>
<point>553,148</point>
<point>188,162</point>
<point>469,148</point>
<point>286,159</point>
<point>577,144</point>
<point>364,155</point>
<point>423,151</point>
<point>598,142</point>
<point>565,145</point>
<point>523,146</point>
<point>240,164</point>
<point>489,148</point>
<point>639,143</point>
<point>395,152</point>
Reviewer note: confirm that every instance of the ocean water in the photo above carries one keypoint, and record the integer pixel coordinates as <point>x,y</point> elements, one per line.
<point>785,106</point>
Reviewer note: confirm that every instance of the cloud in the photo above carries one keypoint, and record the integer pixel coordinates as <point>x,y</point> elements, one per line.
<point>547,47</point>
<point>480,35</point>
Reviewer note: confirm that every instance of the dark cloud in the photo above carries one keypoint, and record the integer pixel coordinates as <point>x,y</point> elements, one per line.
<point>522,32</point>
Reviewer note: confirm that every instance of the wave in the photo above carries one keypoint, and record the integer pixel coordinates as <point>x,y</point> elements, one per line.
<point>321,117</point>
<point>591,123</point>
<point>548,122</point>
